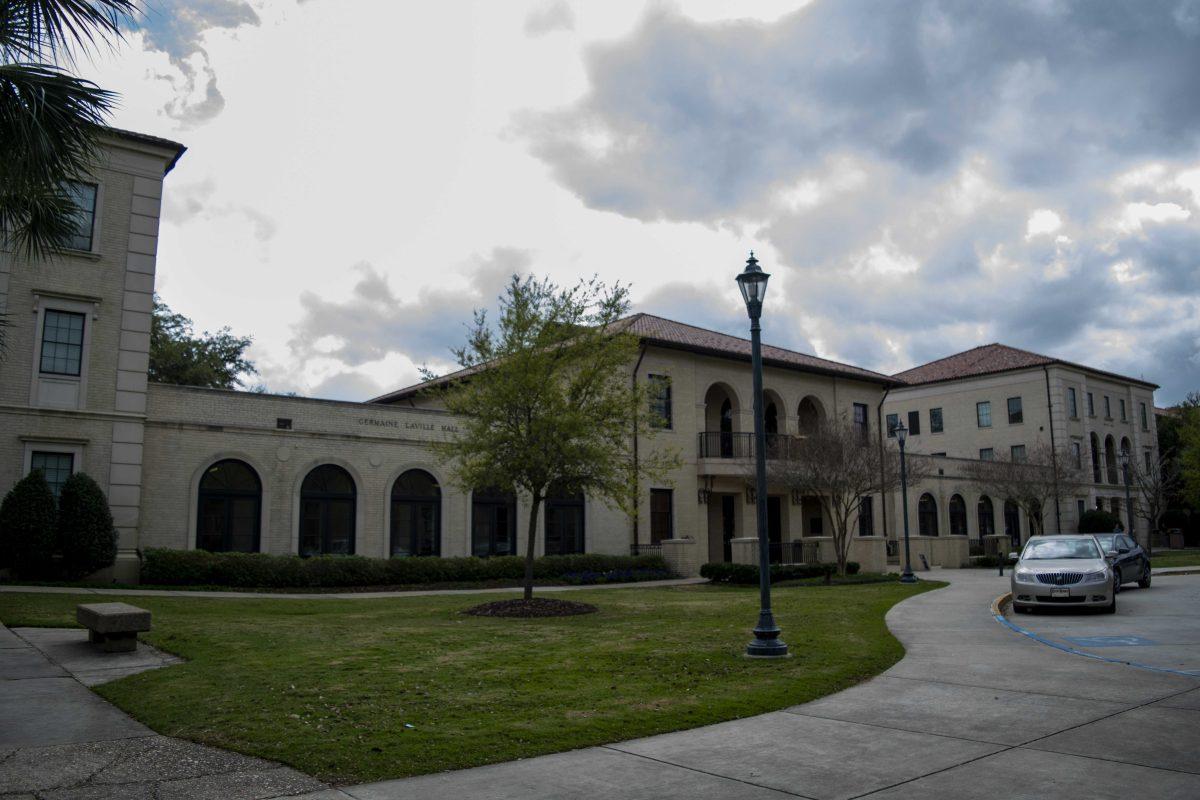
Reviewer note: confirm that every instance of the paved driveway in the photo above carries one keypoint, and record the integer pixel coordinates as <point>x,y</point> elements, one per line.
<point>974,710</point>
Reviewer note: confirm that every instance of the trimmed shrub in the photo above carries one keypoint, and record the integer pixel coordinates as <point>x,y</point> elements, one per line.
<point>1098,520</point>
<point>991,562</point>
<point>747,574</point>
<point>28,535</point>
<point>259,570</point>
<point>86,534</point>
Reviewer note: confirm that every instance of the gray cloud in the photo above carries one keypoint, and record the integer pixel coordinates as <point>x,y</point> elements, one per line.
<point>376,321</point>
<point>555,15</point>
<point>195,200</point>
<point>894,156</point>
<point>177,28</point>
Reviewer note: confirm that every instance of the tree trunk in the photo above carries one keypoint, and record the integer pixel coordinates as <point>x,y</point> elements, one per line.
<point>530,544</point>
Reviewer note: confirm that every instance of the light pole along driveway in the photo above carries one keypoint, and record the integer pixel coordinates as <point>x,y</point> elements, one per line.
<point>974,710</point>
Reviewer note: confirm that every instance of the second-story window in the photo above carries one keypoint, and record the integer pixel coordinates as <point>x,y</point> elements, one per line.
<point>83,197</point>
<point>914,423</point>
<point>1072,405</point>
<point>1016,414</point>
<point>1107,407</point>
<point>1145,420</point>
<point>983,414</point>
<point>1149,467</point>
<point>935,420</point>
<point>62,343</point>
<point>660,401</point>
<point>1124,418</point>
<point>860,419</point>
<point>892,421</point>
<point>1077,455</point>
<point>1091,405</point>
<point>987,454</point>
<point>1017,453</point>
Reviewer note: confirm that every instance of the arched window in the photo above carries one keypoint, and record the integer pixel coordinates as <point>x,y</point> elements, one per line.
<point>808,416</point>
<point>327,505</point>
<point>1095,443</point>
<point>230,508</point>
<point>1110,458</point>
<point>927,518</point>
<point>958,516</point>
<point>493,523</point>
<point>416,515</point>
<point>770,418</point>
<point>1012,522</point>
<point>564,524</point>
<point>987,517</point>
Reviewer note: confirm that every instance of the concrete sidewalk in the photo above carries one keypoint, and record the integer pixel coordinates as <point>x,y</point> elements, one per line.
<point>974,710</point>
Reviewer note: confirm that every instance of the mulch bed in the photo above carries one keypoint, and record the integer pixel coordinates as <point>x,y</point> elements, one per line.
<point>537,607</point>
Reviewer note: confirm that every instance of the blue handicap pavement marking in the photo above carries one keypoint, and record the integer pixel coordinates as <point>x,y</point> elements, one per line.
<point>1109,641</point>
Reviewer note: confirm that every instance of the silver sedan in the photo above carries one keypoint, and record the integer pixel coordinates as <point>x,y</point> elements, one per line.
<point>1062,571</point>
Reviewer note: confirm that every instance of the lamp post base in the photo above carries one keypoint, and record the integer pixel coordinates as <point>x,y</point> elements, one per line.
<point>766,642</point>
<point>908,577</point>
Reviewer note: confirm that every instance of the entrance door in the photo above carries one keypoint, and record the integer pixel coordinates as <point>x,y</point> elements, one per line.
<point>727,525</point>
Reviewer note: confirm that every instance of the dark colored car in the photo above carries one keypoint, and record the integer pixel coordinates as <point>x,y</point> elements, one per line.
<point>1131,562</point>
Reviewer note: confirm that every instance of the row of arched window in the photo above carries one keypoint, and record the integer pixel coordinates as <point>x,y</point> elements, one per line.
<point>927,517</point>
<point>230,512</point>
<point>1109,453</point>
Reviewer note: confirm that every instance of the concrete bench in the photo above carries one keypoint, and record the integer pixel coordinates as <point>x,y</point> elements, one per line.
<point>113,626</point>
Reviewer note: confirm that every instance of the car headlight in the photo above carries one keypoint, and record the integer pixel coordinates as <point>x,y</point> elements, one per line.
<point>1026,575</point>
<point>1098,575</point>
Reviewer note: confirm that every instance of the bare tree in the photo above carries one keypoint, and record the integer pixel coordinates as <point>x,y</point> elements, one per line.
<point>1034,482</point>
<point>1154,486</point>
<point>839,465</point>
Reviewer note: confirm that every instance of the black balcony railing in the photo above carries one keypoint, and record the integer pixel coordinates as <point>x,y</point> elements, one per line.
<point>795,552</point>
<point>642,549</point>
<point>723,444</point>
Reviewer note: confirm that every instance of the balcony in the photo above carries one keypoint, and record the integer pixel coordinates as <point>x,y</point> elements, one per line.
<point>740,446</point>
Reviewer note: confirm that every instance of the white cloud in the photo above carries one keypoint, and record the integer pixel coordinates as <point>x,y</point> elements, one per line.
<point>1041,222</point>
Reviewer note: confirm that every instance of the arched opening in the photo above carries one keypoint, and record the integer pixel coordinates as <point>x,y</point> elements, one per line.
<point>328,500</point>
<point>810,414</point>
<point>1095,446</point>
<point>230,508</point>
<point>770,417</point>
<point>564,524</point>
<point>958,516</point>
<point>493,523</point>
<point>927,516</point>
<point>1012,522</point>
<point>1110,458</point>
<point>416,515</point>
<point>720,422</point>
<point>987,516</point>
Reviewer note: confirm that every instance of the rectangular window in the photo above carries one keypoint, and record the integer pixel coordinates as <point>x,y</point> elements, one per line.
<point>1107,407</point>
<point>892,421</point>
<point>56,467</point>
<point>1072,405</point>
<point>564,526</point>
<point>1145,419</point>
<point>860,419</point>
<point>83,197</point>
<point>935,420</point>
<point>1077,455</point>
<point>1149,468</point>
<point>1017,452</point>
<point>1079,507</point>
<point>866,516</point>
<point>1091,405</point>
<point>914,423</point>
<point>1016,414</point>
<point>660,401</point>
<point>987,454</point>
<point>1124,418</point>
<point>62,342</point>
<point>983,414</point>
<point>661,521</point>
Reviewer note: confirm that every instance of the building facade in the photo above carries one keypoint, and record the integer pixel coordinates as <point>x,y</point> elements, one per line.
<point>228,470</point>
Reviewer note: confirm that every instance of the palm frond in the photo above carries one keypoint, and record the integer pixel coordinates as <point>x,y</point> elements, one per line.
<point>53,30</point>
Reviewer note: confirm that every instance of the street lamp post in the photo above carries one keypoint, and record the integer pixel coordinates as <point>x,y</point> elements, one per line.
<point>901,437</point>
<point>766,643</point>
<point>1124,459</point>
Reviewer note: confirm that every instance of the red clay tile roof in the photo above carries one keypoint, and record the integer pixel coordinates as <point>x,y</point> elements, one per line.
<point>677,335</point>
<point>990,359</point>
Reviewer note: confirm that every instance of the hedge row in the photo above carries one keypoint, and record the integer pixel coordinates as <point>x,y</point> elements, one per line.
<point>747,574</point>
<point>260,570</point>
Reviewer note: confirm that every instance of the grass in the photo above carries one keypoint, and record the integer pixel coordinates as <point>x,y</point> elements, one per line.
<point>1176,558</point>
<point>331,687</point>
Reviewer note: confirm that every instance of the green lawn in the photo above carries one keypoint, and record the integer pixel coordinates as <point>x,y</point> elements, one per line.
<point>1176,558</point>
<point>330,686</point>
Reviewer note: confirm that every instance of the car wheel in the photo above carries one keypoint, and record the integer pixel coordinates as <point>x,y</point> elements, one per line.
<point>1145,581</point>
<point>1118,579</point>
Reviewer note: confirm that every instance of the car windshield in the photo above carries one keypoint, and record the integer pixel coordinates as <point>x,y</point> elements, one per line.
<point>1061,548</point>
<point>1107,540</point>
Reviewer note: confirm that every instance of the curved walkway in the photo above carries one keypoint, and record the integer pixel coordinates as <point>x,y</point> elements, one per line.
<point>973,710</point>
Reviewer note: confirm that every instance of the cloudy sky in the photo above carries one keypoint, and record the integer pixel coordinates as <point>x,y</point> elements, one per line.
<point>918,177</point>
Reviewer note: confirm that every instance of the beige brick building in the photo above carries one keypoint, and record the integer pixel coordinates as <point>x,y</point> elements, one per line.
<point>225,470</point>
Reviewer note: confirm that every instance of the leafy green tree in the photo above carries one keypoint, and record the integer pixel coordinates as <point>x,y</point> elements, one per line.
<point>1188,453</point>
<point>86,534</point>
<point>28,536</point>
<point>179,356</point>
<point>50,120</point>
<point>547,403</point>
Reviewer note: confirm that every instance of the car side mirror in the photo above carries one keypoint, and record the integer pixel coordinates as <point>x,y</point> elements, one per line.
<point>1012,558</point>
<point>1122,550</point>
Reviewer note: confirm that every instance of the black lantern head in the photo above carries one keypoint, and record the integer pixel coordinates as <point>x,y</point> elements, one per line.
<point>753,283</point>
